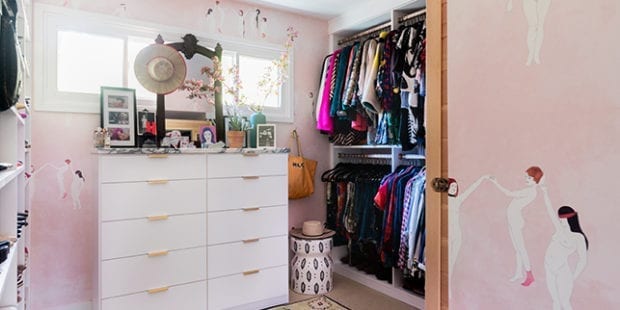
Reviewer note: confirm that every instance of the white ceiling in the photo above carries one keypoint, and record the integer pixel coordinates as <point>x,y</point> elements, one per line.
<point>323,9</point>
<point>344,16</point>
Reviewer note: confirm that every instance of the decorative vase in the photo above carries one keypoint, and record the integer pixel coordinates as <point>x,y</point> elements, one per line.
<point>235,139</point>
<point>256,119</point>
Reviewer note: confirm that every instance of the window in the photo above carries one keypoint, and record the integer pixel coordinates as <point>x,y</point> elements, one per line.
<point>78,52</point>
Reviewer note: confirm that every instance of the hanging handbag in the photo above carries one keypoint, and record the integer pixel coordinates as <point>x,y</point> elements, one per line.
<point>300,172</point>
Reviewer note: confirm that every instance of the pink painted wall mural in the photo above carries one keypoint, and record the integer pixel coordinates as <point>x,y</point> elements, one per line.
<point>535,12</point>
<point>567,240</point>
<point>537,143</point>
<point>520,199</point>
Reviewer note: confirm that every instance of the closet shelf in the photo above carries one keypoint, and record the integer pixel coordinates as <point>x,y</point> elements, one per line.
<point>9,175</point>
<point>6,266</point>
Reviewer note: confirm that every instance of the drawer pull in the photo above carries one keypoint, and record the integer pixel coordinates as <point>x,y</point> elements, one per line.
<point>158,155</point>
<point>155,182</point>
<point>158,218</point>
<point>251,240</point>
<point>157,253</point>
<point>157,290</point>
<point>250,177</point>
<point>250,154</point>
<point>250,272</point>
<point>250,209</point>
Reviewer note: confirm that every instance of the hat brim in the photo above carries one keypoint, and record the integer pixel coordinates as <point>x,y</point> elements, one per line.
<point>296,232</point>
<point>160,50</point>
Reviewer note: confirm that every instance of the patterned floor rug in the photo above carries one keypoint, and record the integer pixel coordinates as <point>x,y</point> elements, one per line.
<point>316,303</point>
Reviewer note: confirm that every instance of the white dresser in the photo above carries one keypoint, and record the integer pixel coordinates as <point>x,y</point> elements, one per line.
<point>192,231</point>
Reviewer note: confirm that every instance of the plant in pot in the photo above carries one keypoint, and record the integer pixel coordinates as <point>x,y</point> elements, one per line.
<point>270,83</point>
<point>237,124</point>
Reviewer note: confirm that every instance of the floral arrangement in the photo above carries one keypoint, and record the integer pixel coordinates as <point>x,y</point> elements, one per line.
<point>276,74</point>
<point>270,82</point>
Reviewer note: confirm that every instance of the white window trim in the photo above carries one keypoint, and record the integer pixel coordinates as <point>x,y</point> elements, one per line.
<point>46,98</point>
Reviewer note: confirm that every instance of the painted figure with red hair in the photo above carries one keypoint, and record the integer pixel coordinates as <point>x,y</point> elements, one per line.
<point>521,198</point>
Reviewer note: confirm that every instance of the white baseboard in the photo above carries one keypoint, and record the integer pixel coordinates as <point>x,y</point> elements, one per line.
<point>80,306</point>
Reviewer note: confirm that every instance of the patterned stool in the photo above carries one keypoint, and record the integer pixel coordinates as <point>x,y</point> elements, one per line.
<point>311,266</point>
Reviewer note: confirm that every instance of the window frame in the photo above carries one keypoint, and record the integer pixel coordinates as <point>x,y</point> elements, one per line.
<point>52,19</point>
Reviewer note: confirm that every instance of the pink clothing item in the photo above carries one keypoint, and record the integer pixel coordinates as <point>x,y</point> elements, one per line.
<point>326,123</point>
<point>319,99</point>
<point>360,123</point>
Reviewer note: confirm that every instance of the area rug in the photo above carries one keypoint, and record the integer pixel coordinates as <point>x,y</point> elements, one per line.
<point>316,303</point>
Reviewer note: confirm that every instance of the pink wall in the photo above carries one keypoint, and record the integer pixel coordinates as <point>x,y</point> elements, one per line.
<point>561,115</point>
<point>64,239</point>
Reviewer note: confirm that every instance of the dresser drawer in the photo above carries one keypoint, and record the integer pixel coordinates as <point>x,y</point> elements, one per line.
<point>131,168</point>
<point>136,237</point>
<point>231,258</point>
<point>158,269</point>
<point>239,289</point>
<point>142,199</point>
<point>191,296</point>
<point>254,191</point>
<point>237,225</point>
<point>238,165</point>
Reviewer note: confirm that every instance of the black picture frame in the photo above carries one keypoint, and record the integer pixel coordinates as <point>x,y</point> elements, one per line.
<point>118,115</point>
<point>266,136</point>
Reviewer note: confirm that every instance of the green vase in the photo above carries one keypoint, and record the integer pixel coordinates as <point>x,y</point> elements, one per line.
<point>256,119</point>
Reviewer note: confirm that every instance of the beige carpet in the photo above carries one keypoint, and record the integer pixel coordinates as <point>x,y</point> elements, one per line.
<point>315,303</point>
<point>357,296</point>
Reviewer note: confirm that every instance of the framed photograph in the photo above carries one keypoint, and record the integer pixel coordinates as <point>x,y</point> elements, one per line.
<point>207,135</point>
<point>226,126</point>
<point>266,136</point>
<point>146,122</point>
<point>118,114</point>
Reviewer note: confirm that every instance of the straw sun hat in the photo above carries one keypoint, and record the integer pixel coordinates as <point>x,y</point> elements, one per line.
<point>160,68</point>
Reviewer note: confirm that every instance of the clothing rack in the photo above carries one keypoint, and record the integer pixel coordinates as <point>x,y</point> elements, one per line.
<point>413,17</point>
<point>370,32</point>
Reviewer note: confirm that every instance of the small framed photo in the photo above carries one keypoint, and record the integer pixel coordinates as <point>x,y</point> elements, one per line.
<point>146,122</point>
<point>266,136</point>
<point>118,114</point>
<point>207,135</point>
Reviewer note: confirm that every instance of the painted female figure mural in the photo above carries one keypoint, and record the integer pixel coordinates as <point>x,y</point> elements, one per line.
<point>520,199</point>
<point>535,15</point>
<point>455,200</point>
<point>567,239</point>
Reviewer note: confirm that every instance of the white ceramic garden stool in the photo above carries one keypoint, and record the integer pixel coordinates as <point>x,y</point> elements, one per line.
<point>311,266</point>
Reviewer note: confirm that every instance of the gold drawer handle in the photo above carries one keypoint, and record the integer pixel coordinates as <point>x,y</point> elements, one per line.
<point>158,217</point>
<point>158,181</point>
<point>251,240</point>
<point>157,290</point>
<point>250,154</point>
<point>250,272</point>
<point>250,177</point>
<point>158,155</point>
<point>250,209</point>
<point>157,253</point>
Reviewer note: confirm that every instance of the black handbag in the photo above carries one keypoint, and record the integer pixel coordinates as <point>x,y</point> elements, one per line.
<point>10,69</point>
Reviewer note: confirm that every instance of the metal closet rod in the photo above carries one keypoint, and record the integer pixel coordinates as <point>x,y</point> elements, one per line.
<point>369,31</point>
<point>384,156</point>
<point>385,26</point>
<point>413,15</point>
<point>350,155</point>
